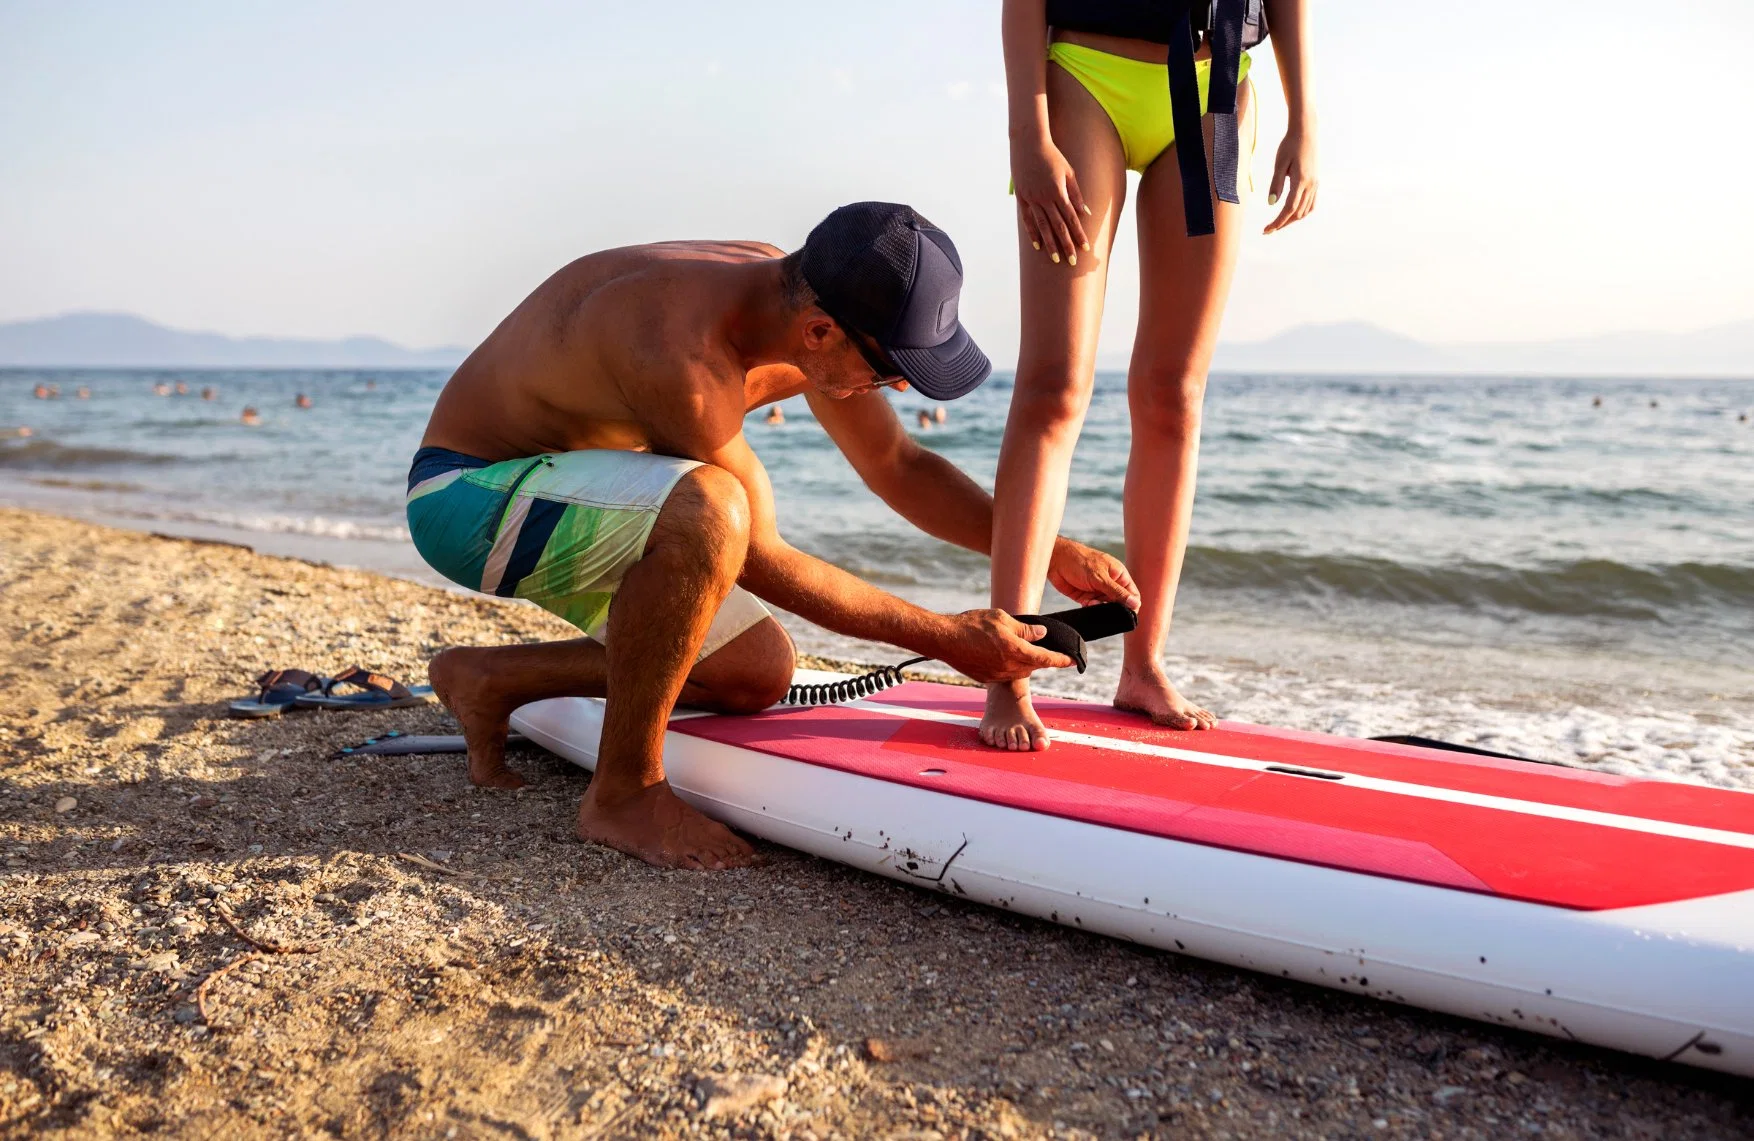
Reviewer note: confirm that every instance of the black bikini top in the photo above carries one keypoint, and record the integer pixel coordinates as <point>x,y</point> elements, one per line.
<point>1229,26</point>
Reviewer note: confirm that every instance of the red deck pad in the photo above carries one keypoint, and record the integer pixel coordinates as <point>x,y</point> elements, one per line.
<point>1549,784</point>
<point>1556,862</point>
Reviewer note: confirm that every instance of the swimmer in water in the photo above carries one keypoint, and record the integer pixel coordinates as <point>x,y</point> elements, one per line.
<point>371,386</point>
<point>208,393</point>
<point>161,389</point>
<point>250,416</point>
<point>182,389</point>
<point>1596,403</point>
<point>925,419</point>
<point>939,415</point>
<point>84,393</point>
<point>41,392</point>
<point>302,400</point>
<point>775,415</point>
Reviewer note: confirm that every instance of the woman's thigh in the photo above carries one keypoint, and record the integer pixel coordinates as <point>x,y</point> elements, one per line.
<point>1062,303</point>
<point>1183,282</point>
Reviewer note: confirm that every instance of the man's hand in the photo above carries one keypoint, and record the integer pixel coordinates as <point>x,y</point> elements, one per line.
<point>1088,576</point>
<point>990,645</point>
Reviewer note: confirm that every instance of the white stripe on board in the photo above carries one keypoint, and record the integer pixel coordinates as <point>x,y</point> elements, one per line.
<point>494,571</point>
<point>1375,784</point>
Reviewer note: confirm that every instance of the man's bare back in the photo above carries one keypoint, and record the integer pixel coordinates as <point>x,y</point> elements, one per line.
<point>554,375</point>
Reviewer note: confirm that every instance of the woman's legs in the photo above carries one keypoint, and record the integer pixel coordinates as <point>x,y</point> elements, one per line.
<point>1183,285</point>
<point>1062,309</point>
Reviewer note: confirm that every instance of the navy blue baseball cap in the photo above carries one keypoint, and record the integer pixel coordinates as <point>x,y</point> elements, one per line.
<point>880,269</point>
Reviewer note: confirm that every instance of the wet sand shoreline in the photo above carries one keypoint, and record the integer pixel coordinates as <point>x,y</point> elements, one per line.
<point>405,955</point>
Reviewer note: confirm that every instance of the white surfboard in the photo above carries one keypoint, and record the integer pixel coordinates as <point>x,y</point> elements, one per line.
<point>1604,909</point>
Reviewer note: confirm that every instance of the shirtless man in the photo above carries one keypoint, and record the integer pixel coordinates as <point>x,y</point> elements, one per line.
<point>589,456</point>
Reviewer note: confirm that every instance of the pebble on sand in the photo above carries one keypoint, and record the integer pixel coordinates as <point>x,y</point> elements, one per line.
<point>728,1095</point>
<point>66,804</point>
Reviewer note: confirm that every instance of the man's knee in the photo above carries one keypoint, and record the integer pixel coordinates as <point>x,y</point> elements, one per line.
<point>752,672</point>
<point>706,514</point>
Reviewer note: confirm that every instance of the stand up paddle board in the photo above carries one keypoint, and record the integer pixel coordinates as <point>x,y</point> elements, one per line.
<point>1597,908</point>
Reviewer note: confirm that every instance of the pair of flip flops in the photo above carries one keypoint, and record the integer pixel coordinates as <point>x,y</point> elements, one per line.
<point>281,690</point>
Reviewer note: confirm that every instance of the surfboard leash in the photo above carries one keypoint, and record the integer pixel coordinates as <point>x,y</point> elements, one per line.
<point>1067,632</point>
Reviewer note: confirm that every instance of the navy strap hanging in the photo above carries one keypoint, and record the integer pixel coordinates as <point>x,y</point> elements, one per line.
<point>1190,140</point>
<point>1225,36</point>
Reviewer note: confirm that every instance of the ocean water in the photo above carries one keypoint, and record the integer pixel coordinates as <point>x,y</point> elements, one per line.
<point>1560,568</point>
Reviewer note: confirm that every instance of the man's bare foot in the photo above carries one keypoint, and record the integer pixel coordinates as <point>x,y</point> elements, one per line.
<point>1010,722</point>
<point>1150,693</point>
<point>466,689</point>
<point>654,825</point>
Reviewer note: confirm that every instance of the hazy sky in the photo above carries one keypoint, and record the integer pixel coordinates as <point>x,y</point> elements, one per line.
<point>1490,170</point>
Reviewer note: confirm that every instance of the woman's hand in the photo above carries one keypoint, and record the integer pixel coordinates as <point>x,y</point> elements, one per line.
<point>1049,200</point>
<point>1294,172</point>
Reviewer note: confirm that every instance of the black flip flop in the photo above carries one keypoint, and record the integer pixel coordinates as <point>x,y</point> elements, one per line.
<point>376,691</point>
<point>280,690</point>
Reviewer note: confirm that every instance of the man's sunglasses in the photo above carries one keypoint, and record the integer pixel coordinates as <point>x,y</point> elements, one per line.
<point>887,371</point>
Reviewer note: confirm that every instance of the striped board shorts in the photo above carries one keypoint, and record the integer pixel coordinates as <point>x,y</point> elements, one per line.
<point>559,530</point>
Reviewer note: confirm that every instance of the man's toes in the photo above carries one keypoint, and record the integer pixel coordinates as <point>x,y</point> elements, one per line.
<point>734,853</point>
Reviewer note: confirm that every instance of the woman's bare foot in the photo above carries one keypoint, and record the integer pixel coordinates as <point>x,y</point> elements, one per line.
<point>1010,722</point>
<point>466,689</point>
<point>1150,692</point>
<point>654,825</point>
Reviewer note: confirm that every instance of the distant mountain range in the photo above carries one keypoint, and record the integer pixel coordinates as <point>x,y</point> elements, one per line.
<point>1358,347</point>
<point>121,340</point>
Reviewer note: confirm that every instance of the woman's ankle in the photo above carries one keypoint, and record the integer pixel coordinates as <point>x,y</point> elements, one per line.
<point>1142,669</point>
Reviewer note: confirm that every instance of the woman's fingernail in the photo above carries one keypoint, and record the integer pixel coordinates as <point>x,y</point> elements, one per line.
<point>1072,258</point>
<point>1272,198</point>
<point>1086,247</point>
<point>1088,211</point>
<point>1056,259</point>
<point>1038,245</point>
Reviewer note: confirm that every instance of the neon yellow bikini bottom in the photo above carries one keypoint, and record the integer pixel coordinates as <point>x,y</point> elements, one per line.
<point>1136,96</point>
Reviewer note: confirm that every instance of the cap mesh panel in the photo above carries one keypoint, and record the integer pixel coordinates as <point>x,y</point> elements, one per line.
<point>860,262</point>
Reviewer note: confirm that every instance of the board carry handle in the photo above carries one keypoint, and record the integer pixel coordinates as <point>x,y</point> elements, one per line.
<point>1067,631</point>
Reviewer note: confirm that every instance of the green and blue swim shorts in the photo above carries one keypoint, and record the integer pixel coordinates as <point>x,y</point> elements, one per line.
<point>559,530</point>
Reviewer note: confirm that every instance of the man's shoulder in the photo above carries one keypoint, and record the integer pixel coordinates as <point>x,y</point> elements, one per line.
<point>679,254</point>
<point>715,249</point>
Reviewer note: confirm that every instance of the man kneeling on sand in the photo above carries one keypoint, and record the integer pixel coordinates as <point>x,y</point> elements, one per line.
<point>589,456</point>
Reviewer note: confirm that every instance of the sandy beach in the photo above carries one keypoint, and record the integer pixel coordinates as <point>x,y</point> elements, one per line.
<point>219,928</point>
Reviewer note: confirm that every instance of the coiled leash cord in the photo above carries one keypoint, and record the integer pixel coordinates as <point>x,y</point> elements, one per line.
<point>1067,631</point>
<point>849,689</point>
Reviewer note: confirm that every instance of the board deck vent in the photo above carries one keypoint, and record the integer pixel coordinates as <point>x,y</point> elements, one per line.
<point>1292,771</point>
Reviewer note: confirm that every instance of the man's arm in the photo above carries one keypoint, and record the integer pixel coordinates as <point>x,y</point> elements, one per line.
<point>940,499</point>
<point>987,645</point>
